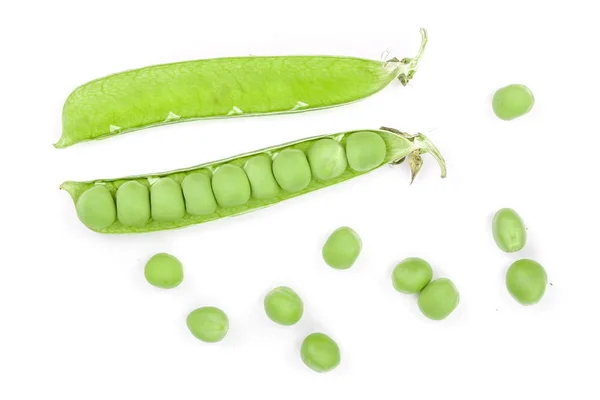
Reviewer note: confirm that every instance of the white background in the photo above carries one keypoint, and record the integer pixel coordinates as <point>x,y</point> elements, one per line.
<point>78,320</point>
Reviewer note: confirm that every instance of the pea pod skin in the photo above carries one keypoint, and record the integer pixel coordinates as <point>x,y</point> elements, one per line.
<point>176,214</point>
<point>223,87</point>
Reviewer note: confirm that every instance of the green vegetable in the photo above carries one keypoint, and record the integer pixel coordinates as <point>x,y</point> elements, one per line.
<point>342,248</point>
<point>221,88</point>
<point>283,306</point>
<point>164,271</point>
<point>509,230</point>
<point>242,183</point>
<point>133,204</point>
<point>209,324</point>
<point>438,299</point>
<point>320,353</point>
<point>526,281</point>
<point>411,275</point>
<point>512,101</point>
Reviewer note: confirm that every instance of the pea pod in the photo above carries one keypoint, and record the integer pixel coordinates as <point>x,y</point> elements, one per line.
<point>241,184</point>
<point>223,87</point>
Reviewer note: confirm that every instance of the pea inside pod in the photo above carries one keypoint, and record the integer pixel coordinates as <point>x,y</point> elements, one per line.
<point>242,183</point>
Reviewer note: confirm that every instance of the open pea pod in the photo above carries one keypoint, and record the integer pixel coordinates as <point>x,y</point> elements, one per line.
<point>242,183</point>
<point>223,88</point>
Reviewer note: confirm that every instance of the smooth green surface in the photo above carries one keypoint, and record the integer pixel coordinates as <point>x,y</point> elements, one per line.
<point>166,201</point>
<point>512,101</point>
<point>508,230</point>
<point>526,281</point>
<point>223,87</point>
<point>96,208</point>
<point>209,324</point>
<point>198,195</point>
<point>283,306</point>
<point>133,204</point>
<point>260,174</point>
<point>327,159</point>
<point>365,151</point>
<point>438,299</point>
<point>291,170</point>
<point>231,186</point>
<point>411,275</point>
<point>342,248</point>
<point>320,352</point>
<point>164,270</point>
<point>398,144</point>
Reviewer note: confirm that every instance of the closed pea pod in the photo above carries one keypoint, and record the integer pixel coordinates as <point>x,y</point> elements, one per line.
<point>174,205</point>
<point>223,87</point>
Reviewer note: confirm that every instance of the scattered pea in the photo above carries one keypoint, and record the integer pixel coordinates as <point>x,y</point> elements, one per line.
<point>509,230</point>
<point>96,208</point>
<point>291,170</point>
<point>512,101</point>
<point>133,204</point>
<point>283,306</point>
<point>231,186</point>
<point>365,151</point>
<point>438,299</point>
<point>327,159</point>
<point>342,248</point>
<point>526,281</point>
<point>320,353</point>
<point>209,324</point>
<point>411,275</point>
<point>166,200</point>
<point>164,271</point>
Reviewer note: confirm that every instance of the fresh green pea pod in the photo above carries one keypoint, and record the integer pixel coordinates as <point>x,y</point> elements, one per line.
<point>230,192</point>
<point>223,87</point>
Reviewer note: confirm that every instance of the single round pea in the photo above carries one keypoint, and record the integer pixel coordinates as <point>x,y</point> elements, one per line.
<point>512,101</point>
<point>164,271</point>
<point>291,170</point>
<point>231,186</point>
<point>411,275</point>
<point>526,281</point>
<point>320,353</point>
<point>133,204</point>
<point>283,306</point>
<point>327,159</point>
<point>438,299</point>
<point>260,174</point>
<point>209,324</point>
<point>342,248</point>
<point>365,151</point>
<point>96,208</point>
<point>166,201</point>
<point>198,195</point>
<point>509,230</point>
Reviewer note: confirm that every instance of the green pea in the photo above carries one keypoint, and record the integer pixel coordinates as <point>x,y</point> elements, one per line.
<point>526,281</point>
<point>283,306</point>
<point>231,186</point>
<point>291,170</point>
<point>197,191</point>
<point>342,248</point>
<point>512,101</point>
<point>411,275</point>
<point>509,230</point>
<point>96,208</point>
<point>261,177</point>
<point>320,353</point>
<point>209,324</point>
<point>166,201</point>
<point>438,299</point>
<point>365,151</point>
<point>327,159</point>
<point>133,204</point>
<point>164,271</point>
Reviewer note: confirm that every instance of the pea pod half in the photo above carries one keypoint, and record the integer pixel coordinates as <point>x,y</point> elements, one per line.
<point>223,87</point>
<point>243,183</point>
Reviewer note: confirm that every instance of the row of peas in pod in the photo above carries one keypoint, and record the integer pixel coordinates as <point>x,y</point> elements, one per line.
<point>144,203</point>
